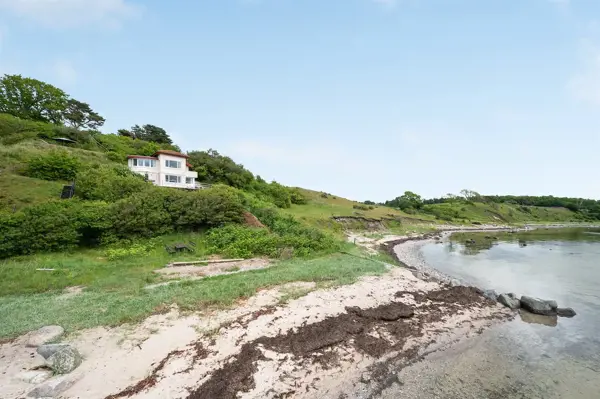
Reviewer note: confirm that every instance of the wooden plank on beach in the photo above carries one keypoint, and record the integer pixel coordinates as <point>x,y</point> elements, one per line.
<point>205,262</point>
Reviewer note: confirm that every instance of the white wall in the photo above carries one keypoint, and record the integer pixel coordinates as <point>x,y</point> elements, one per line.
<point>158,173</point>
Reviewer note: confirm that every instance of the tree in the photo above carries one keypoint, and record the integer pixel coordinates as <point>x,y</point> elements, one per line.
<point>407,200</point>
<point>126,133</point>
<point>213,167</point>
<point>151,133</point>
<point>28,98</point>
<point>470,195</point>
<point>80,115</point>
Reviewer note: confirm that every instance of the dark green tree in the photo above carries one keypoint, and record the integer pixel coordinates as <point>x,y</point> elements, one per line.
<point>213,167</point>
<point>151,133</point>
<point>80,115</point>
<point>28,98</point>
<point>408,200</point>
<point>125,133</point>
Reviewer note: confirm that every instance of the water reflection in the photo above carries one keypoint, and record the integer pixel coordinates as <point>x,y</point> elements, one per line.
<point>473,243</point>
<point>550,321</point>
<point>552,357</point>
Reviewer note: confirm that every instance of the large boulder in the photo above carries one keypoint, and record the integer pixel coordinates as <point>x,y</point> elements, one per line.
<point>510,301</point>
<point>64,361</point>
<point>48,350</point>
<point>566,312</point>
<point>491,295</point>
<point>539,306</point>
<point>44,335</point>
<point>53,387</point>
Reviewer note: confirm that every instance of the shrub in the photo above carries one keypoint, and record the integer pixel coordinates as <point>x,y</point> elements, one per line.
<point>361,207</point>
<point>214,207</point>
<point>244,242</point>
<point>137,249</point>
<point>108,183</point>
<point>54,165</point>
<point>52,226</point>
<point>62,225</point>
<point>297,197</point>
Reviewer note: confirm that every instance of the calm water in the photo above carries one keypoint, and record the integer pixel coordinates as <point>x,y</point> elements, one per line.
<point>557,358</point>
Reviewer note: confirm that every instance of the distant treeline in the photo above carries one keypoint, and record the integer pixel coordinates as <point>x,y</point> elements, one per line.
<point>587,207</point>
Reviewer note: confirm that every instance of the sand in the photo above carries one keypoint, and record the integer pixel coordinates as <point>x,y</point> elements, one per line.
<point>327,344</point>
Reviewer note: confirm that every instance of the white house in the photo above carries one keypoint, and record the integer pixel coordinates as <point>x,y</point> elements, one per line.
<point>165,168</point>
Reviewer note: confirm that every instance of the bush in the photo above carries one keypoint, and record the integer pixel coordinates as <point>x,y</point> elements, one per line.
<point>245,242</point>
<point>134,250</point>
<point>108,183</point>
<point>304,240</point>
<point>63,225</point>
<point>361,207</point>
<point>52,226</point>
<point>54,165</point>
<point>297,197</point>
<point>157,211</point>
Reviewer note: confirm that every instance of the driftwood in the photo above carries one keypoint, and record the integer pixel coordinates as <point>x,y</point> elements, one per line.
<point>203,262</point>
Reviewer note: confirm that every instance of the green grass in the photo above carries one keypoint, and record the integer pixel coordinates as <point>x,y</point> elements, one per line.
<point>18,191</point>
<point>319,211</point>
<point>91,268</point>
<point>500,213</point>
<point>129,302</point>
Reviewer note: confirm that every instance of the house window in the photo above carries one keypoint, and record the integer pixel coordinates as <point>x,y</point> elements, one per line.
<point>172,179</point>
<point>172,164</point>
<point>148,163</point>
<point>189,180</point>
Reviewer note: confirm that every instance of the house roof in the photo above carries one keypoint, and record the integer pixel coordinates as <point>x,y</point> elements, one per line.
<point>170,152</point>
<point>140,156</point>
<point>189,165</point>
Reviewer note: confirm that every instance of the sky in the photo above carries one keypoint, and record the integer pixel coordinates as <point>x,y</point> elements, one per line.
<point>360,98</point>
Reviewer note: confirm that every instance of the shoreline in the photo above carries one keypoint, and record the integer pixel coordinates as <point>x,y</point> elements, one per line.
<point>349,340</point>
<point>327,343</point>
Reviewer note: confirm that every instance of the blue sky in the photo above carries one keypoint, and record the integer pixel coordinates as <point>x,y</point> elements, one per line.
<point>361,98</point>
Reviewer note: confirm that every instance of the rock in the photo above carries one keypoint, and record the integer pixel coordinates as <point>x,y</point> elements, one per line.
<point>509,301</point>
<point>44,335</point>
<point>53,387</point>
<point>48,350</point>
<point>539,306</point>
<point>490,294</point>
<point>64,361</point>
<point>566,312</point>
<point>34,376</point>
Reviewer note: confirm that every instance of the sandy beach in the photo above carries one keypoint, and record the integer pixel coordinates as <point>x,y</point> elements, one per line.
<point>344,342</point>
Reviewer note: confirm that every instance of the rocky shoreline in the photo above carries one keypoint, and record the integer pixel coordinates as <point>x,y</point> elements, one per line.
<point>343,342</point>
<point>407,252</point>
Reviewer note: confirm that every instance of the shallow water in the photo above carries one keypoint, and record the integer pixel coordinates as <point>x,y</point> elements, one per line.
<point>558,358</point>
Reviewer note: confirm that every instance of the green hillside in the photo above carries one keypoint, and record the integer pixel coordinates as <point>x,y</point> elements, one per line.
<point>111,237</point>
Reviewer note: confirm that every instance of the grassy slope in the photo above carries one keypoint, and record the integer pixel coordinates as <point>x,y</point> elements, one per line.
<point>319,211</point>
<point>17,191</point>
<point>114,289</point>
<point>124,302</point>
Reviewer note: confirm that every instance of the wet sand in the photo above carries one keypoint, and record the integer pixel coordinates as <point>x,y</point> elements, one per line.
<point>510,360</point>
